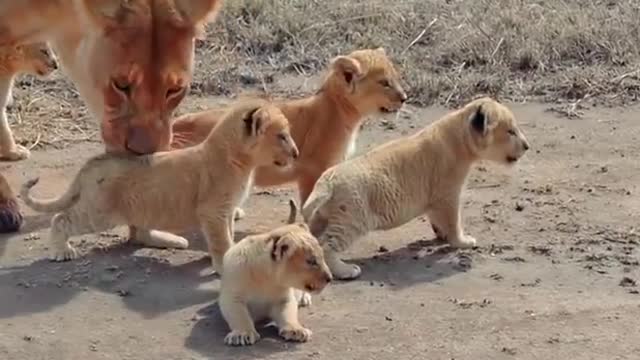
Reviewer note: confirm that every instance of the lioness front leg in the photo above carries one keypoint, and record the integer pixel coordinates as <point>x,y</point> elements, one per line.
<point>236,314</point>
<point>157,238</point>
<point>9,150</point>
<point>447,219</point>
<point>285,314</point>
<point>217,231</point>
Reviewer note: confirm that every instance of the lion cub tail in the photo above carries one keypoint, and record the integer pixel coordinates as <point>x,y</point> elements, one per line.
<point>61,203</point>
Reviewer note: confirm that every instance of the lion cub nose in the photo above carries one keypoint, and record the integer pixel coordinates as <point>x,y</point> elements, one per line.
<point>295,153</point>
<point>525,145</point>
<point>328,278</point>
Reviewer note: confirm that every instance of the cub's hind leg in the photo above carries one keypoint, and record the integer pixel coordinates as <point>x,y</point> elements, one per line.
<point>341,228</point>
<point>67,224</point>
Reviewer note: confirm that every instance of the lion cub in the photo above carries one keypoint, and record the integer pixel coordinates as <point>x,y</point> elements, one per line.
<point>324,125</point>
<point>36,59</point>
<point>419,174</point>
<point>172,191</point>
<point>263,277</point>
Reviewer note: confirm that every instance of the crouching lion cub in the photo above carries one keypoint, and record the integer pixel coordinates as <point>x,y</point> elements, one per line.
<point>419,174</point>
<point>172,191</point>
<point>264,276</point>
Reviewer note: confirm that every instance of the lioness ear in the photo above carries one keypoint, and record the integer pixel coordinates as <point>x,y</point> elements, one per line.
<point>198,11</point>
<point>349,67</point>
<point>281,249</point>
<point>114,13</point>
<point>479,121</point>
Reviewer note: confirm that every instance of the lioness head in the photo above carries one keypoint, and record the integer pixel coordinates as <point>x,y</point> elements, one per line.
<point>299,259</point>
<point>367,80</point>
<point>271,142</point>
<point>34,58</point>
<point>140,53</point>
<point>494,131</point>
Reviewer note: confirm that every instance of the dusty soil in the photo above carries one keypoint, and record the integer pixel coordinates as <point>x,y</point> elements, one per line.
<point>555,275</point>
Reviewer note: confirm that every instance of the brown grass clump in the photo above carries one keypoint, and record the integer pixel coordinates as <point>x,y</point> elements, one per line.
<point>448,51</point>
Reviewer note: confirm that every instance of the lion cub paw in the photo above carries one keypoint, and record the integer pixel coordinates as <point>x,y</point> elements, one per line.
<point>16,154</point>
<point>65,254</point>
<point>298,334</point>
<point>241,338</point>
<point>304,298</point>
<point>464,242</point>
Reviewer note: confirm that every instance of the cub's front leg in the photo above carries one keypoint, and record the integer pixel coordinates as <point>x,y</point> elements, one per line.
<point>217,230</point>
<point>236,313</point>
<point>447,223</point>
<point>285,314</point>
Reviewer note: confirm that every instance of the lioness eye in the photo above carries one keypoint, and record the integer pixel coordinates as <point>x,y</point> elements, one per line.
<point>385,83</point>
<point>121,86</point>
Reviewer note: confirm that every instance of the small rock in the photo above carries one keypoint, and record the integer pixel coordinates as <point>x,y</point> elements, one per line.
<point>28,338</point>
<point>510,351</point>
<point>383,249</point>
<point>496,277</point>
<point>519,207</point>
<point>123,293</point>
<point>628,282</point>
<point>514,259</point>
<point>388,318</point>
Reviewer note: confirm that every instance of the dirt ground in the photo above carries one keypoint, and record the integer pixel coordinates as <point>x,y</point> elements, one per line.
<point>555,274</point>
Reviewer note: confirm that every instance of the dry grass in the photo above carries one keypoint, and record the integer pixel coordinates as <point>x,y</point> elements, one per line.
<point>573,51</point>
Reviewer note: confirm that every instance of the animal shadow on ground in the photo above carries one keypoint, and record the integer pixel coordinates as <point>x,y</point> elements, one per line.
<point>207,338</point>
<point>146,281</point>
<point>421,261</point>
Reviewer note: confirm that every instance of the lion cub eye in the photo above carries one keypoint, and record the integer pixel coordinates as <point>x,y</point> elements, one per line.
<point>282,137</point>
<point>312,262</point>
<point>511,132</point>
<point>385,83</point>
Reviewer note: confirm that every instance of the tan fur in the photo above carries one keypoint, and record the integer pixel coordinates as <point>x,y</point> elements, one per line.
<point>172,191</point>
<point>131,60</point>
<point>36,59</point>
<point>264,276</point>
<point>324,125</point>
<point>419,174</point>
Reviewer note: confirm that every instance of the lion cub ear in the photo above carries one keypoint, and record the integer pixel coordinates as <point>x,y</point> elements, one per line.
<point>254,122</point>
<point>349,67</point>
<point>479,121</point>
<point>281,248</point>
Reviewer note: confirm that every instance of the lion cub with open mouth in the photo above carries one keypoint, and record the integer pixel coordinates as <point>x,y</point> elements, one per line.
<point>264,276</point>
<point>419,174</point>
<point>172,191</point>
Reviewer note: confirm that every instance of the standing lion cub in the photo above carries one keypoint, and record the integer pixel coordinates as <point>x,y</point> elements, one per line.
<point>419,174</point>
<point>172,191</point>
<point>264,276</point>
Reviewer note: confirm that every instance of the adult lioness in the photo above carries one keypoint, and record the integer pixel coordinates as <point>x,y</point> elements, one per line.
<point>172,191</point>
<point>324,125</point>
<point>410,176</point>
<point>131,60</point>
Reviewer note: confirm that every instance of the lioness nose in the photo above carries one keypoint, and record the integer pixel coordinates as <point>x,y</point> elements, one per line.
<point>525,145</point>
<point>403,97</point>
<point>328,278</point>
<point>140,141</point>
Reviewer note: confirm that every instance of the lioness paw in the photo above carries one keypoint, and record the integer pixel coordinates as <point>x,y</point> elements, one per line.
<point>464,242</point>
<point>343,271</point>
<point>241,338</point>
<point>298,334</point>
<point>66,254</point>
<point>16,154</point>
